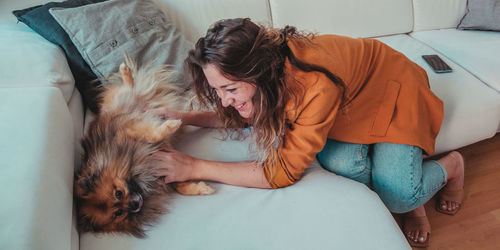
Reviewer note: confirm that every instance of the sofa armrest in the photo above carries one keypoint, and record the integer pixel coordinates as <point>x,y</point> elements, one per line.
<point>28,59</point>
<point>36,170</point>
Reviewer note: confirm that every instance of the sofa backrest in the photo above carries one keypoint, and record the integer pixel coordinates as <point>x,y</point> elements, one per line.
<point>194,17</point>
<point>360,18</point>
<point>438,14</point>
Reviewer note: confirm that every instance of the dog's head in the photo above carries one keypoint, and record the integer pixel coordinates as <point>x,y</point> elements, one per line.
<point>116,190</point>
<point>108,203</point>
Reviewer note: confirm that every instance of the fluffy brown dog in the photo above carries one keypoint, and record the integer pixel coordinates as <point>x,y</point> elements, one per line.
<point>116,190</point>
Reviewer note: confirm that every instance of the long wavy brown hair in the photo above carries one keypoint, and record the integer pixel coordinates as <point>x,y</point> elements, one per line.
<point>245,51</point>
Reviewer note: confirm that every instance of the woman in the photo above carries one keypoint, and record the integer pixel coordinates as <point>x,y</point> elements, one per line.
<point>362,108</point>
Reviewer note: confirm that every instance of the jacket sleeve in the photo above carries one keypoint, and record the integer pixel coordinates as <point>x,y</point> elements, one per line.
<point>307,137</point>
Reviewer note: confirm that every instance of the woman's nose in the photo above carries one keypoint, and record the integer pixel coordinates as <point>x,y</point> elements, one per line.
<point>226,100</point>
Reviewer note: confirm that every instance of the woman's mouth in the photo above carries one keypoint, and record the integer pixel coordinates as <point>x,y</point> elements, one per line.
<point>240,107</point>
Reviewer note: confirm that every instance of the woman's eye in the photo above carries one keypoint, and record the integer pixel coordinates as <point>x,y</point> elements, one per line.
<point>118,212</point>
<point>119,194</point>
<point>231,90</point>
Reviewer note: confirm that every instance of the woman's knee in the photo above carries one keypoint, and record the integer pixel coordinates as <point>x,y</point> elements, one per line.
<point>346,159</point>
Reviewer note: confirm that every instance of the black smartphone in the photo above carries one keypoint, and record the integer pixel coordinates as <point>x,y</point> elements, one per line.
<point>437,64</point>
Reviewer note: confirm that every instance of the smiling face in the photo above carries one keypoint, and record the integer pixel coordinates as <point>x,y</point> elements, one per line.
<point>236,94</point>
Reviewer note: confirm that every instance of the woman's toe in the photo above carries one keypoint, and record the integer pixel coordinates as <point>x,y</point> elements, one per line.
<point>422,237</point>
<point>416,236</point>
<point>412,235</point>
<point>443,205</point>
<point>453,206</point>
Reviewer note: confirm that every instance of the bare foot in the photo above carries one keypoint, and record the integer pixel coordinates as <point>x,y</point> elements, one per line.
<point>416,226</point>
<point>454,165</point>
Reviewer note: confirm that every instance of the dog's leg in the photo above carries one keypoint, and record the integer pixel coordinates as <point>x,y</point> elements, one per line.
<point>126,75</point>
<point>193,188</point>
<point>152,133</point>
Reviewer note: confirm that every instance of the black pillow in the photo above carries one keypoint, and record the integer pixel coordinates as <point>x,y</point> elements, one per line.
<point>40,20</point>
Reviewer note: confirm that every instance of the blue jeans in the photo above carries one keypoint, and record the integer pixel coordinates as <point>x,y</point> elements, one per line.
<point>394,171</point>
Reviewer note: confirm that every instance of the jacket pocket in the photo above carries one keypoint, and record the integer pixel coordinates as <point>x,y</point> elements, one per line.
<point>386,109</point>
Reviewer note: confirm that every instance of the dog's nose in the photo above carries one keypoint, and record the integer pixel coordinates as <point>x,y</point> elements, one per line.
<point>136,204</point>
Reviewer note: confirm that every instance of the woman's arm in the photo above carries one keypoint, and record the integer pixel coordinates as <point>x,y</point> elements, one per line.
<point>177,166</point>
<point>246,174</point>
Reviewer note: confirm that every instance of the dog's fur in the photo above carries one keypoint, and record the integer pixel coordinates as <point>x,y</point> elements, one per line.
<point>116,189</point>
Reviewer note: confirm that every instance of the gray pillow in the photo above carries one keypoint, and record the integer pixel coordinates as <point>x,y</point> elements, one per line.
<point>481,15</point>
<point>103,32</point>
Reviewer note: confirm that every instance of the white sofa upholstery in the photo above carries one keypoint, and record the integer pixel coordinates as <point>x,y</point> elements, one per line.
<point>36,145</point>
<point>42,120</point>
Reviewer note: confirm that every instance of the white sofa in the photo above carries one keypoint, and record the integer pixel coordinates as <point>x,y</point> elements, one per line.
<point>42,120</point>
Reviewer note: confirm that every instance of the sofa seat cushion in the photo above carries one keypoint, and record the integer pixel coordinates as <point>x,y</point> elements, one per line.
<point>476,51</point>
<point>36,148</point>
<point>321,211</point>
<point>471,108</point>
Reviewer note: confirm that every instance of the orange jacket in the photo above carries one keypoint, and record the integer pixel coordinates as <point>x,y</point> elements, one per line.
<point>388,99</point>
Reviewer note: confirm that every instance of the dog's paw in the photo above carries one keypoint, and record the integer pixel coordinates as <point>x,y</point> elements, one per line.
<point>126,73</point>
<point>204,189</point>
<point>193,188</point>
<point>171,125</point>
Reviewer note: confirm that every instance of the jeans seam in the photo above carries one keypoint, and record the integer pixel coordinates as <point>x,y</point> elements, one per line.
<point>418,195</point>
<point>362,167</point>
<point>412,175</point>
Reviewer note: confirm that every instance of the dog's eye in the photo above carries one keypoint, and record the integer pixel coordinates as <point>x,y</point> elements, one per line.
<point>119,194</point>
<point>118,212</point>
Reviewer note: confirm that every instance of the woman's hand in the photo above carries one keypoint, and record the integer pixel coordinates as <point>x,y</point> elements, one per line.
<point>175,166</point>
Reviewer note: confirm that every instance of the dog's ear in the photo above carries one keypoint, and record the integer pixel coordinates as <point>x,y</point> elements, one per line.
<point>85,185</point>
<point>153,133</point>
